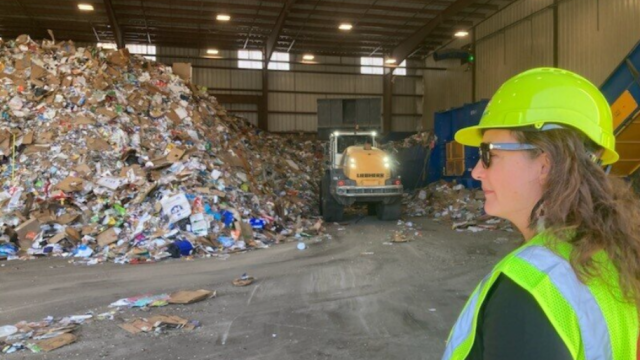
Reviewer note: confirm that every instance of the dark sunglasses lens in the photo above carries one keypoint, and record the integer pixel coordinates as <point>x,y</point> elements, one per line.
<point>485,155</point>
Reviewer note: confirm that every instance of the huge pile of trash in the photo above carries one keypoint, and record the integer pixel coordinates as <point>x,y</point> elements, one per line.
<point>111,157</point>
<point>454,204</point>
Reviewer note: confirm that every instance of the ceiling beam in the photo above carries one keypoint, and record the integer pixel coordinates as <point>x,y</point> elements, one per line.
<point>409,44</point>
<point>114,24</point>
<point>275,32</point>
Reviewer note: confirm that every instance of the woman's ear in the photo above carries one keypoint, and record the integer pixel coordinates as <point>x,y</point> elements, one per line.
<point>545,167</point>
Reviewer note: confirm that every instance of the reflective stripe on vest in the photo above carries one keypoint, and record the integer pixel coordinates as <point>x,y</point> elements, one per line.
<point>593,326</point>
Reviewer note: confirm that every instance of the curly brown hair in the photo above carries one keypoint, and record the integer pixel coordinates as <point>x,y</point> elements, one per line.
<point>600,211</point>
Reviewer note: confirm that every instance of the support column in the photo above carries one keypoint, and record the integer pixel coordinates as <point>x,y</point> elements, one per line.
<point>387,100</point>
<point>263,108</point>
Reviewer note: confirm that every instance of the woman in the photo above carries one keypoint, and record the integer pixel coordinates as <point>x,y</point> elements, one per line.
<point>571,291</point>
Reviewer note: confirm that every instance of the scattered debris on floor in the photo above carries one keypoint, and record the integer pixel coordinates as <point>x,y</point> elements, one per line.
<point>43,336</point>
<point>158,324</point>
<point>454,204</point>
<point>50,333</point>
<point>111,157</point>
<point>243,280</point>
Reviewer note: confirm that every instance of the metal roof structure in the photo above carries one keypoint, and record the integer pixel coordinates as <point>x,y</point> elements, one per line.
<point>396,28</point>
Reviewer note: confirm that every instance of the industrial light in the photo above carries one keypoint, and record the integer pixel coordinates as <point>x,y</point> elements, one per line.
<point>336,133</point>
<point>345,27</point>
<point>461,33</point>
<point>352,160</point>
<point>85,7</point>
<point>386,165</point>
<point>308,57</point>
<point>373,133</point>
<point>390,61</point>
<point>223,17</point>
<point>386,159</point>
<point>212,52</point>
<point>353,166</point>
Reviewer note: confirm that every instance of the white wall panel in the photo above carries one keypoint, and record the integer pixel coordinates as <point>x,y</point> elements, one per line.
<point>368,84</point>
<point>521,46</point>
<point>509,15</point>
<point>594,36</point>
<point>282,80</point>
<point>404,85</point>
<point>243,79</point>
<point>281,102</point>
<point>307,102</point>
<point>282,122</point>
<point>404,105</point>
<point>212,78</point>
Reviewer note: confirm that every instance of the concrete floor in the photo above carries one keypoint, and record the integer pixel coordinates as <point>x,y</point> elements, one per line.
<point>350,297</point>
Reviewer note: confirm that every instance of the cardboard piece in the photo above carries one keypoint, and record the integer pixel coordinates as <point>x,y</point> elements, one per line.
<point>83,170</point>
<point>136,326</point>
<point>57,238</point>
<point>172,320</point>
<point>43,215</point>
<point>98,144</point>
<point>56,342</point>
<point>175,155</point>
<point>107,237</point>
<point>67,218</point>
<point>27,232</point>
<point>73,234</point>
<point>70,184</point>
<point>183,70</point>
<point>190,297</point>
<point>28,138</point>
<point>82,120</point>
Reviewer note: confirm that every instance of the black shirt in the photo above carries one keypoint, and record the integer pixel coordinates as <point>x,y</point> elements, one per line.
<point>512,325</point>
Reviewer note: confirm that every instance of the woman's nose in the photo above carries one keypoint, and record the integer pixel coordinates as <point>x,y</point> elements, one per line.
<point>478,171</point>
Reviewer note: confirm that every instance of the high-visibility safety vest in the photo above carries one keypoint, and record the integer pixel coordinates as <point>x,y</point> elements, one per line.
<point>593,319</point>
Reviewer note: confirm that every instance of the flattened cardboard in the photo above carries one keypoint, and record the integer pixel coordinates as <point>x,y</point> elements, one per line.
<point>33,149</point>
<point>56,342</point>
<point>67,218</point>
<point>107,237</point>
<point>175,155</point>
<point>72,234</point>
<point>57,238</point>
<point>27,232</point>
<point>27,139</point>
<point>70,184</point>
<point>183,70</point>
<point>136,326</point>
<point>43,215</point>
<point>167,319</point>
<point>98,144</point>
<point>82,120</point>
<point>83,170</point>
<point>190,297</point>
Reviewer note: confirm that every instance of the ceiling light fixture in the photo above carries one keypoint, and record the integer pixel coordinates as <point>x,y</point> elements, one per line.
<point>390,61</point>
<point>85,7</point>
<point>212,52</point>
<point>345,27</point>
<point>308,57</point>
<point>461,33</point>
<point>223,17</point>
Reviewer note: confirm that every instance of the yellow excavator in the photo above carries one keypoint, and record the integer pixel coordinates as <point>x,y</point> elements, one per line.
<point>359,172</point>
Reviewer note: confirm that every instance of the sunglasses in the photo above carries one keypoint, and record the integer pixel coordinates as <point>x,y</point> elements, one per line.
<point>485,150</point>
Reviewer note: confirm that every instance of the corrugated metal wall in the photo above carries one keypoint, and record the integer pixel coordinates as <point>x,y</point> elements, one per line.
<point>293,95</point>
<point>593,37</point>
<point>445,89</point>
